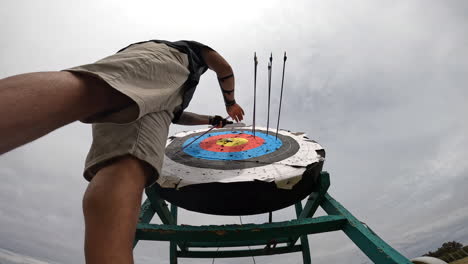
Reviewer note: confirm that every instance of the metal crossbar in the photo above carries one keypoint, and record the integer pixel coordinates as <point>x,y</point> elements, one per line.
<point>285,233</point>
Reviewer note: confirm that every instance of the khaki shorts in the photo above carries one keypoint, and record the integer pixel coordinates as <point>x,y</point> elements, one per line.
<point>152,75</point>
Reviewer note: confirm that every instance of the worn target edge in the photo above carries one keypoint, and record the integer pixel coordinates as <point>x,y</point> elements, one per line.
<point>285,173</point>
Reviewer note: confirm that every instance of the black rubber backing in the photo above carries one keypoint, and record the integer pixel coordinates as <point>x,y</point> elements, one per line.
<point>242,198</point>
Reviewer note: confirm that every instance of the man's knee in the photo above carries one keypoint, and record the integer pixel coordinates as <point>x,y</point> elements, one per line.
<point>126,168</point>
<point>125,175</point>
<point>131,163</point>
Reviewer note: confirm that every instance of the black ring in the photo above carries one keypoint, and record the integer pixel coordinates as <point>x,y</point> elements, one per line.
<point>287,149</point>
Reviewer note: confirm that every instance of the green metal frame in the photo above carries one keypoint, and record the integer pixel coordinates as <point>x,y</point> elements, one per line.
<point>184,237</point>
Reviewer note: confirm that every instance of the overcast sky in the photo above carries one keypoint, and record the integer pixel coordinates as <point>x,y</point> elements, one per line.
<point>380,84</point>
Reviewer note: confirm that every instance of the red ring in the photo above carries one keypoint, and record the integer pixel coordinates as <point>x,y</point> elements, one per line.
<point>211,145</point>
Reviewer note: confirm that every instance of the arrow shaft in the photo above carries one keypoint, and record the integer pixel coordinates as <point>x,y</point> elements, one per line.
<point>204,133</point>
<point>281,95</point>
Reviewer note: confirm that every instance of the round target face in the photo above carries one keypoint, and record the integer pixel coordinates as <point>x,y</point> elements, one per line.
<point>231,149</point>
<point>234,172</point>
<point>231,145</point>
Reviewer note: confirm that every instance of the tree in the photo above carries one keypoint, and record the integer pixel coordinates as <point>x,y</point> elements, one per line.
<point>447,247</point>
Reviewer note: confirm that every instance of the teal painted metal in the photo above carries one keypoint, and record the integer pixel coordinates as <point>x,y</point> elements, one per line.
<point>240,232</point>
<point>173,244</point>
<point>241,243</point>
<point>372,245</point>
<point>146,214</point>
<point>262,234</point>
<point>239,253</point>
<point>304,241</point>
<point>314,200</point>
<point>160,206</point>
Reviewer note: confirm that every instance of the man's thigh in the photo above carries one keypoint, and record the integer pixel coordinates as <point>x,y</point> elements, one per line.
<point>100,95</point>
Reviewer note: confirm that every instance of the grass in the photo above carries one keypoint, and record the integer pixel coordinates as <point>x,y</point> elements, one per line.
<point>460,261</point>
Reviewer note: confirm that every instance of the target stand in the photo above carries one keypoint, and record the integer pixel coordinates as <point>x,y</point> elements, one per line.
<point>234,172</point>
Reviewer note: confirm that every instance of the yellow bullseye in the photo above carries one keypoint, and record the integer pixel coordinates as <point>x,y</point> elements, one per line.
<point>231,142</point>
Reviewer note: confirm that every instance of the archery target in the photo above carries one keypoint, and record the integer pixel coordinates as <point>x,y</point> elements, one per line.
<point>236,155</point>
<point>231,149</point>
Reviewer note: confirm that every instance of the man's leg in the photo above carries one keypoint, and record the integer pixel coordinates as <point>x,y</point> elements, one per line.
<point>34,104</point>
<point>111,206</point>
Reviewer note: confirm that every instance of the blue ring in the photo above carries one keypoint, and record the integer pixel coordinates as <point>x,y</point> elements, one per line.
<point>270,145</point>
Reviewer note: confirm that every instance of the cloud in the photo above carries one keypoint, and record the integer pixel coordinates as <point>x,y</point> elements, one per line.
<point>8,257</point>
<point>380,85</point>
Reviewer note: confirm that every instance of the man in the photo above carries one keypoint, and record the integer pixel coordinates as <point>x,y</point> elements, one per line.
<point>131,98</point>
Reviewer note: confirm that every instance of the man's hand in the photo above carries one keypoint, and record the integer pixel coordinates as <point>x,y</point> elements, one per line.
<point>218,121</point>
<point>235,112</point>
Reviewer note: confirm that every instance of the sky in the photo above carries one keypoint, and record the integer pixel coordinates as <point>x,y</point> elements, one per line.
<point>381,85</point>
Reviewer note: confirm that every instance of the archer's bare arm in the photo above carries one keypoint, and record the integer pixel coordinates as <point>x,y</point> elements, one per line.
<point>192,119</point>
<point>222,68</point>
